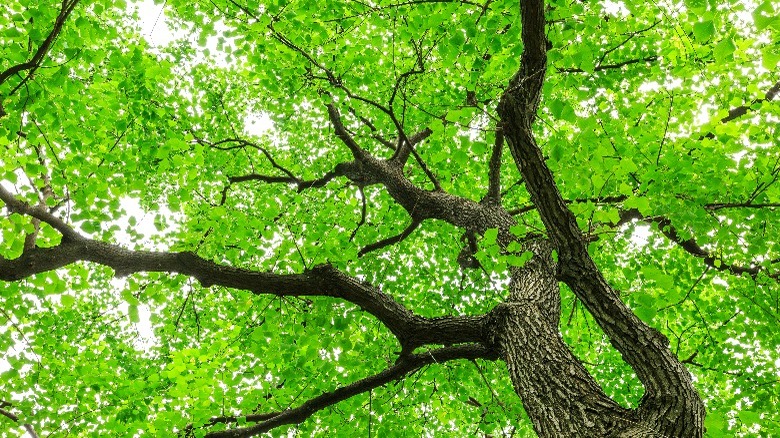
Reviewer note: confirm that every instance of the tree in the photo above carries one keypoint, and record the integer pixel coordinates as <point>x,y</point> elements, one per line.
<point>376,262</point>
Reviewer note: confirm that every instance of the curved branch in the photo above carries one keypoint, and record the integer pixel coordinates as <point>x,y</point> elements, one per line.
<point>15,418</point>
<point>737,112</point>
<point>299,183</point>
<point>617,65</point>
<point>403,367</point>
<point>692,247</point>
<point>631,36</point>
<point>240,143</point>
<point>38,212</point>
<point>35,62</point>
<point>411,330</point>
<point>390,240</point>
<point>740,111</point>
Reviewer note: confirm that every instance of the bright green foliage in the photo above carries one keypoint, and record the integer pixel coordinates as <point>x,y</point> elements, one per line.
<point>630,120</point>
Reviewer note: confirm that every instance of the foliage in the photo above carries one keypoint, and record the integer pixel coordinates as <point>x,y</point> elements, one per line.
<point>657,121</point>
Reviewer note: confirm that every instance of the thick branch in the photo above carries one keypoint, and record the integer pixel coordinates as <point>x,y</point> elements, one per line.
<point>411,330</point>
<point>38,212</point>
<point>404,366</point>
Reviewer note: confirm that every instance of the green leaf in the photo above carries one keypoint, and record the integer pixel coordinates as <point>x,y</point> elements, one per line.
<point>586,60</point>
<point>764,16</point>
<point>519,260</point>
<point>67,300</point>
<point>489,238</point>
<point>659,277</point>
<point>458,39</point>
<point>129,298</point>
<point>132,313</point>
<point>724,49</point>
<point>749,417</point>
<point>460,157</point>
<point>716,424</point>
<point>770,57</point>
<point>640,203</point>
<point>647,314</point>
<point>704,30</point>
<point>697,6</point>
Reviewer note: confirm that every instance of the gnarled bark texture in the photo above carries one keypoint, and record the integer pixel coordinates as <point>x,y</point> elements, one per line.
<point>559,395</point>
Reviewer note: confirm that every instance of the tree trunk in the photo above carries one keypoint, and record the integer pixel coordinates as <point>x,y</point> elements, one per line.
<point>559,395</point>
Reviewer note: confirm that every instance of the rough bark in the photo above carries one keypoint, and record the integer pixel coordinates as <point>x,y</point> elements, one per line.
<point>671,405</point>
<point>558,393</point>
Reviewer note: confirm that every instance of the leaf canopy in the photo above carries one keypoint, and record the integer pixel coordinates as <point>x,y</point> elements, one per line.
<point>659,122</point>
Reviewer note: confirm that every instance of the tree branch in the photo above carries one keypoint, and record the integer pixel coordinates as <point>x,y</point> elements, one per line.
<point>411,330</point>
<point>335,117</point>
<point>374,9</point>
<point>342,134</point>
<point>602,67</point>
<point>494,168</point>
<point>631,36</point>
<point>390,240</point>
<point>692,247</point>
<point>363,208</point>
<point>38,212</point>
<point>299,183</point>
<point>35,62</point>
<point>240,143</point>
<point>13,417</point>
<point>403,367</point>
<point>740,111</point>
<point>404,150</point>
<point>724,205</point>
